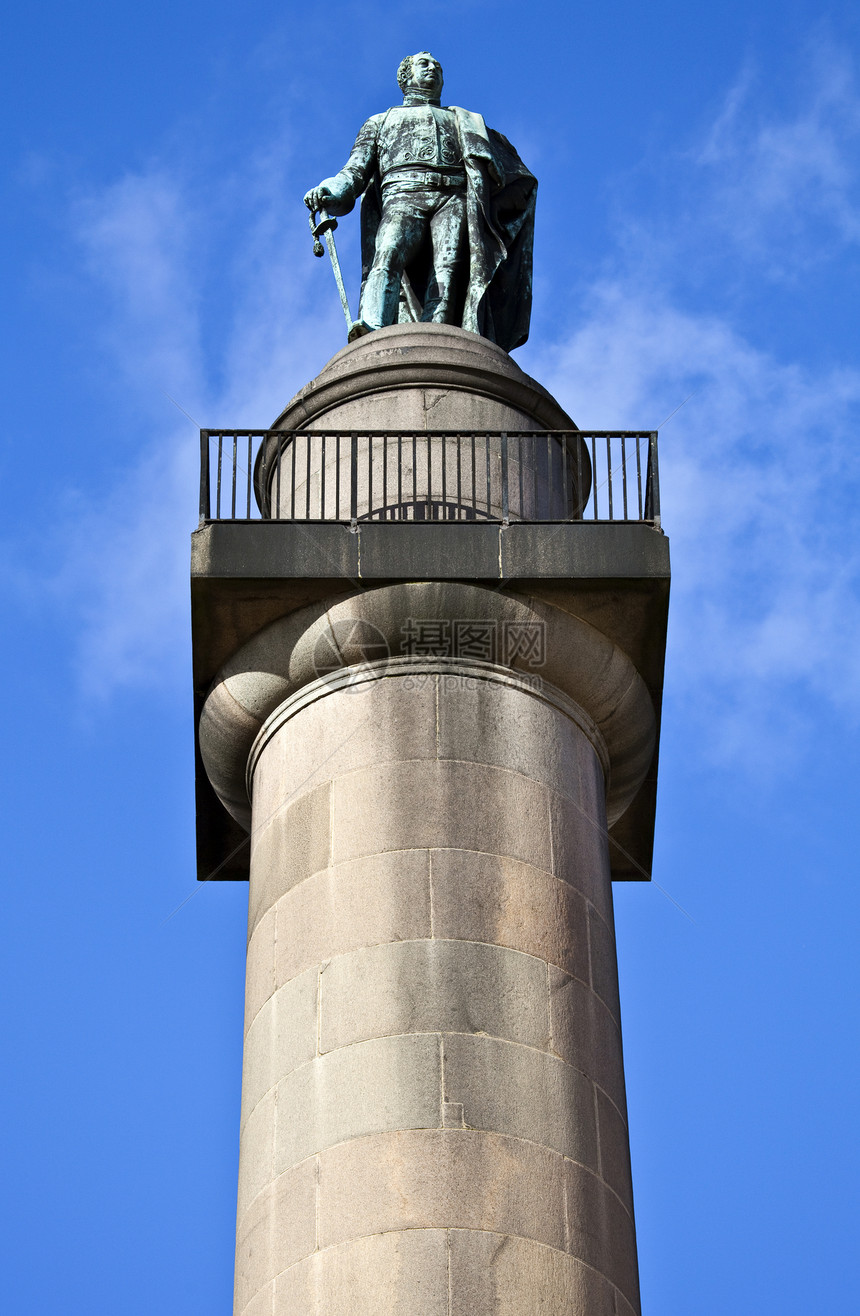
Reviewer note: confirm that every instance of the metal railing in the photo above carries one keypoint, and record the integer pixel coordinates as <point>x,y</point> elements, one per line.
<point>419,475</point>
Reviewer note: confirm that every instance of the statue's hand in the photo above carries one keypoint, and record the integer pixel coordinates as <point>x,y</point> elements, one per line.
<point>316,198</point>
<point>324,197</point>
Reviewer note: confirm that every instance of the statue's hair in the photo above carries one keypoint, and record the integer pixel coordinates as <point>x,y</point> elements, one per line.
<point>404,72</point>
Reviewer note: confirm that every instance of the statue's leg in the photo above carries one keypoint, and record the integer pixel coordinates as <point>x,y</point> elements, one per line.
<point>398,238</point>
<point>448,236</point>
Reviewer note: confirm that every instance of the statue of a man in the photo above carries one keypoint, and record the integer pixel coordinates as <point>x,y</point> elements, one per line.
<point>447,219</point>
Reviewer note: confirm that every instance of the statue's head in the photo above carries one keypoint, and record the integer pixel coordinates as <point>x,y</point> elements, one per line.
<point>420,71</point>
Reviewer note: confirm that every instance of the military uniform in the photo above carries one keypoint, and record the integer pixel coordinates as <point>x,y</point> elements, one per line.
<point>447,221</point>
<point>415,152</point>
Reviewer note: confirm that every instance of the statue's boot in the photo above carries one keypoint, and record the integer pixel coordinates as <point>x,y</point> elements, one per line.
<point>358,329</point>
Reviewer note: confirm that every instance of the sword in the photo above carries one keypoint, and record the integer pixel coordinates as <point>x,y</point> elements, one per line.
<point>326,226</point>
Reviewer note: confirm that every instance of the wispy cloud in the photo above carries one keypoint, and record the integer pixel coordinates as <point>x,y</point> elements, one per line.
<point>787,188</point>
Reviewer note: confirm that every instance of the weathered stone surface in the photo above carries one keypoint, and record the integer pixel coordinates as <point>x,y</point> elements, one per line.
<point>278,1229</point>
<point>260,967</point>
<point>262,1304</point>
<point>483,897</point>
<point>579,849</point>
<point>452,1178</point>
<point>431,1023</point>
<point>399,1274</point>
<point>585,1034</point>
<point>281,1037</point>
<point>387,1083</point>
<point>434,986</point>
<point>384,721</point>
<point>623,1307</point>
<point>600,1230</point>
<point>257,1152</point>
<point>473,381</point>
<point>514,1090</point>
<point>497,1275</point>
<point>428,550</point>
<point>374,810</point>
<point>614,1141</point>
<point>580,662</point>
<point>501,727</point>
<point>287,845</point>
<point>362,902</point>
<point>604,966</point>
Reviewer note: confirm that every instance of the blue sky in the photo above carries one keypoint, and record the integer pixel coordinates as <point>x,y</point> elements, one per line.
<point>698,243</point>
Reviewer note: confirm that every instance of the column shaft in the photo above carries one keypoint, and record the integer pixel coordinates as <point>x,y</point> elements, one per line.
<point>433,1110</point>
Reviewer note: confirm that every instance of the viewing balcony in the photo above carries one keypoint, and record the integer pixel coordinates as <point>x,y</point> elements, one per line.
<point>525,477</point>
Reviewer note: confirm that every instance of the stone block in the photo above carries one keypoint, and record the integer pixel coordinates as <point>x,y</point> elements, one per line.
<point>496,1275</point>
<point>614,1141</point>
<point>398,1274</point>
<point>262,1304</point>
<point>260,967</point>
<point>387,1083</point>
<point>600,1231</point>
<point>278,1229</point>
<point>580,849</point>
<point>509,728</point>
<point>585,1035</point>
<point>441,804</point>
<point>363,902</point>
<point>286,847</point>
<point>381,721</point>
<point>257,1152</point>
<point>623,1308</point>
<point>491,898</point>
<point>604,964</point>
<point>451,1178</point>
<point>282,1036</point>
<point>435,550</point>
<point>511,1089</point>
<point>434,986</point>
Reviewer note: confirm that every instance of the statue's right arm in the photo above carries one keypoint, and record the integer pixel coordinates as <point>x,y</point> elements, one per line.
<point>338,195</point>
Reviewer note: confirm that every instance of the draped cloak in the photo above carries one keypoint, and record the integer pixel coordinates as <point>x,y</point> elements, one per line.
<point>495,300</point>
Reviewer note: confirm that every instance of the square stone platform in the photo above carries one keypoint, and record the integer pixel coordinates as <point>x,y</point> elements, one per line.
<point>244,574</point>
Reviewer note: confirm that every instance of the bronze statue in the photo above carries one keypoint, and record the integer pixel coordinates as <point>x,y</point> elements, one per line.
<point>447,216</point>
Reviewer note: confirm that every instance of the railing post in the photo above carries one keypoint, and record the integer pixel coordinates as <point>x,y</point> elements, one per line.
<point>204,476</point>
<point>505,512</point>
<point>265,501</point>
<point>353,479</point>
<point>652,483</point>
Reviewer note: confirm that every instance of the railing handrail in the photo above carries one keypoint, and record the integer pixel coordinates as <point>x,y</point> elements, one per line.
<point>387,431</point>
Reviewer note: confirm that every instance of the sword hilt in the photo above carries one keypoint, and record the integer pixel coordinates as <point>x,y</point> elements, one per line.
<point>326,223</point>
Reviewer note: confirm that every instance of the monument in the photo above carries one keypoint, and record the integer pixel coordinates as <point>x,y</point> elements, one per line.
<point>447,216</point>
<point>429,624</point>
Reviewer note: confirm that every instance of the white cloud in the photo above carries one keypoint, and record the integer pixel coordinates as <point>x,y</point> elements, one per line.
<point>787,188</point>
<point>138,238</point>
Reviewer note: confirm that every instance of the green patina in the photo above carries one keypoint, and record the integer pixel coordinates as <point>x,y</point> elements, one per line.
<point>447,215</point>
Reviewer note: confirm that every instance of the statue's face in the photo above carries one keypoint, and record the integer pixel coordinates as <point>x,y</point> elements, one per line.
<point>426,73</point>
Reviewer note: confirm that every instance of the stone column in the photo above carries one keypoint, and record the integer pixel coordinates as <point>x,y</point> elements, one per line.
<point>433,1112</point>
